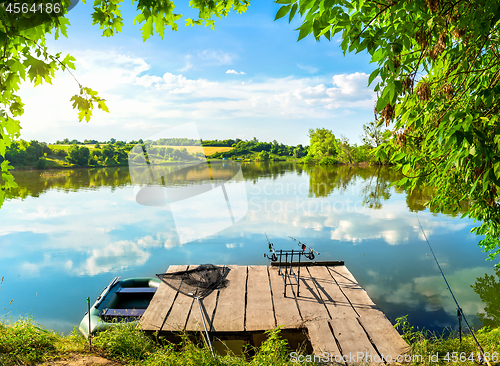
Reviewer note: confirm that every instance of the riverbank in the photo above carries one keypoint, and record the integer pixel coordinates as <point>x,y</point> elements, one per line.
<point>25,342</point>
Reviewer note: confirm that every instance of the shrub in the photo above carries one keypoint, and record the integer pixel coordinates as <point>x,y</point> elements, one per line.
<point>328,160</point>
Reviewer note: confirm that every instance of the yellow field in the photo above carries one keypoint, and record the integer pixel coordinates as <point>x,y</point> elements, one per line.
<point>208,150</point>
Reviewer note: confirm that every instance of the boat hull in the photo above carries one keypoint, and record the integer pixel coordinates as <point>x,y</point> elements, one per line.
<point>122,301</point>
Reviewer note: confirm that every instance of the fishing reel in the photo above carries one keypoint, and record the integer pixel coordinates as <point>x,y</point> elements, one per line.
<point>273,257</point>
<point>303,246</point>
<point>309,255</point>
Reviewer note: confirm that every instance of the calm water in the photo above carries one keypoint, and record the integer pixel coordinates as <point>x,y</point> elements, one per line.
<point>65,234</point>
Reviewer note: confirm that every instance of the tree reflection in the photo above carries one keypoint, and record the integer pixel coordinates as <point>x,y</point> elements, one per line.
<point>377,189</point>
<point>323,180</point>
<point>488,290</point>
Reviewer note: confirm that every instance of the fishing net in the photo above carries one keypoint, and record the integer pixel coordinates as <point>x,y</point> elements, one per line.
<point>198,282</point>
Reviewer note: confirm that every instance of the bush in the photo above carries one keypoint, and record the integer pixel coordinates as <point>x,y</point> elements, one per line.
<point>308,159</point>
<point>328,160</point>
<point>41,163</point>
<point>60,152</point>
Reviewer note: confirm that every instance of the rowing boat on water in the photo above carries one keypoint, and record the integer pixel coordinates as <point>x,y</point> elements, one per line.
<point>122,300</point>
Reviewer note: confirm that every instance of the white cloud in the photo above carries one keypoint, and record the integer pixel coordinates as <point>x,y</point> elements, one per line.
<point>138,97</point>
<point>235,72</point>
<point>309,69</point>
<point>217,57</point>
<point>188,64</point>
<point>433,289</point>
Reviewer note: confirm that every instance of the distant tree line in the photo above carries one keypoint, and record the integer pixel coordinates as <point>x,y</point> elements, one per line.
<point>260,150</point>
<point>220,143</point>
<point>24,153</point>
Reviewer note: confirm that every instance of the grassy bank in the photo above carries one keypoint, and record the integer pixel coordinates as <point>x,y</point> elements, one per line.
<point>26,343</point>
<point>428,348</point>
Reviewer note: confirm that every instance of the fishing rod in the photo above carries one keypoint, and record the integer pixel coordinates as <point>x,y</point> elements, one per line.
<point>459,309</point>
<point>273,256</point>
<point>309,255</point>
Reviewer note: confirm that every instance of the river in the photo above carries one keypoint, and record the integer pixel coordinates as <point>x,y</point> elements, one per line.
<point>66,233</point>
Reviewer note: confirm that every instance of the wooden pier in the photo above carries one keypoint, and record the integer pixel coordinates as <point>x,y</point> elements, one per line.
<point>338,314</point>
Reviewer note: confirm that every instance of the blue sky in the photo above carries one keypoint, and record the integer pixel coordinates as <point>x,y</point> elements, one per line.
<point>249,77</point>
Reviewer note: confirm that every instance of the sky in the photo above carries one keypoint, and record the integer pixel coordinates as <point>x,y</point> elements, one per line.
<point>247,78</point>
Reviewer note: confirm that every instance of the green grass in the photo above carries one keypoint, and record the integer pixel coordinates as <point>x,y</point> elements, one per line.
<point>446,348</point>
<point>25,343</point>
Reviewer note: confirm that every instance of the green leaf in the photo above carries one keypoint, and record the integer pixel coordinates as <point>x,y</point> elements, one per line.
<point>292,12</point>
<point>305,29</point>
<point>147,29</point>
<point>282,12</point>
<point>398,156</point>
<point>373,75</point>
<point>102,105</point>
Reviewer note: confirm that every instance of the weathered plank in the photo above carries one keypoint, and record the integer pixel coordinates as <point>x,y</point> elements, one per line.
<point>354,343</point>
<point>322,340</point>
<point>357,295</point>
<point>230,312</point>
<point>334,299</point>
<point>160,304</point>
<point>177,318</point>
<point>309,264</point>
<point>387,339</point>
<point>259,310</point>
<point>285,309</point>
<point>309,301</point>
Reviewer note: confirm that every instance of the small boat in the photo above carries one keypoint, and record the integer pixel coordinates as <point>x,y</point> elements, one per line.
<point>120,301</point>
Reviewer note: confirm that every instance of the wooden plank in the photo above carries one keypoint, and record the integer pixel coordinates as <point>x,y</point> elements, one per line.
<point>285,309</point>
<point>322,339</point>
<point>160,304</point>
<point>230,312</point>
<point>354,343</point>
<point>259,309</point>
<point>387,339</point>
<point>357,295</point>
<point>312,264</point>
<point>179,312</point>
<point>334,299</point>
<point>309,301</point>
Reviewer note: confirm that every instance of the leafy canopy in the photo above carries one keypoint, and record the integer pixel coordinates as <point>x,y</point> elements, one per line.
<point>439,91</point>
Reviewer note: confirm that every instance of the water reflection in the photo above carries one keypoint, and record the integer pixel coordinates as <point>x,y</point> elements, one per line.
<point>488,288</point>
<point>74,229</point>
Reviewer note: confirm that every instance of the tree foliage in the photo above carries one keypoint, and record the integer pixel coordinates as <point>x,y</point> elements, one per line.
<point>322,143</point>
<point>439,91</point>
